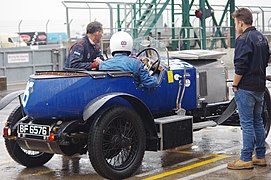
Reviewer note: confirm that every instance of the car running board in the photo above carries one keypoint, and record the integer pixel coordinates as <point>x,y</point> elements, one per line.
<point>201,125</point>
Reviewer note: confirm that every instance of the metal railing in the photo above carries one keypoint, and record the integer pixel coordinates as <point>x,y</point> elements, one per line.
<point>165,35</point>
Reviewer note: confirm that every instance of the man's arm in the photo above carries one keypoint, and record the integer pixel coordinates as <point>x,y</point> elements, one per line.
<point>241,61</point>
<point>76,58</point>
<point>236,79</point>
<point>147,80</point>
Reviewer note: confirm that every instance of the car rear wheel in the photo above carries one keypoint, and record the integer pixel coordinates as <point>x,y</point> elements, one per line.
<point>24,157</point>
<point>117,143</point>
<point>266,112</point>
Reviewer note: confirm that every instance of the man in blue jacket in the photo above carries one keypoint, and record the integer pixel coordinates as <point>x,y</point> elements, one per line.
<point>121,45</point>
<point>86,54</point>
<point>250,62</point>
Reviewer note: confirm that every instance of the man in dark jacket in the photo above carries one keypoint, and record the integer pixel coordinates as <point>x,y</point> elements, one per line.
<point>86,54</point>
<point>250,62</point>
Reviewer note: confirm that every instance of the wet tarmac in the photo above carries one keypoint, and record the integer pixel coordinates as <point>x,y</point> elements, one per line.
<point>212,149</point>
<point>206,158</point>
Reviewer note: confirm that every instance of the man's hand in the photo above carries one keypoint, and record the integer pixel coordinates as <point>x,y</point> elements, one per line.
<point>146,63</point>
<point>98,60</point>
<point>234,89</point>
<point>95,63</point>
<point>145,60</point>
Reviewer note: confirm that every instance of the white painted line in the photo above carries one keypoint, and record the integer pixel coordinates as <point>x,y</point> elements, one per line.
<point>150,172</point>
<point>173,166</point>
<point>196,175</point>
<point>232,149</point>
<point>162,169</point>
<point>189,161</point>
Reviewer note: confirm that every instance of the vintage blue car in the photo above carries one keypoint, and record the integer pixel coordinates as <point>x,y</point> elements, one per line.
<point>107,115</point>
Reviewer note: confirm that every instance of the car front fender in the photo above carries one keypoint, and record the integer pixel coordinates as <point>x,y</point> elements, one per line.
<point>9,98</point>
<point>228,112</point>
<point>152,138</point>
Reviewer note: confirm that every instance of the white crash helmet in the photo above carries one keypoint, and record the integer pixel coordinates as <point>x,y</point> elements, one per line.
<point>121,42</point>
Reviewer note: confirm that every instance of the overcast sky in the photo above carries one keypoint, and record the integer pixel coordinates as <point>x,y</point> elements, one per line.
<point>36,14</point>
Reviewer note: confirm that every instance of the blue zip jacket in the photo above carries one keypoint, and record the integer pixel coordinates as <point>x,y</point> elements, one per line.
<point>82,54</point>
<point>126,63</point>
<point>251,59</point>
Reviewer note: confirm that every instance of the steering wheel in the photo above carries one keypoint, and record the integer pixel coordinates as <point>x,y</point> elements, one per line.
<point>148,51</point>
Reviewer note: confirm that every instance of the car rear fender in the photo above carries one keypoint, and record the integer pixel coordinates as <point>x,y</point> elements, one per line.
<point>9,98</point>
<point>152,139</point>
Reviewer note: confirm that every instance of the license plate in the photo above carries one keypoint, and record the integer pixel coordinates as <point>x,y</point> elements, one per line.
<point>34,129</point>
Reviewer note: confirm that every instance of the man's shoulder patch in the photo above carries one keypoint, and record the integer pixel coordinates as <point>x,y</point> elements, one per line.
<point>77,53</point>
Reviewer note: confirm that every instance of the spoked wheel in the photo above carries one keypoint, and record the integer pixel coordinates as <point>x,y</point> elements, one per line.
<point>266,112</point>
<point>24,157</point>
<point>117,143</point>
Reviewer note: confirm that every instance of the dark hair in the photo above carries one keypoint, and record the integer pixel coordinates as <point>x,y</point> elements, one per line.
<point>243,14</point>
<point>94,27</point>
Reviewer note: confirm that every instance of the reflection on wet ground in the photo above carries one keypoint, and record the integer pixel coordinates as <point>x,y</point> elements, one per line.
<point>206,159</point>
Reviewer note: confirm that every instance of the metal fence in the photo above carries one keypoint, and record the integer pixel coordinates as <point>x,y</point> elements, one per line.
<point>17,64</point>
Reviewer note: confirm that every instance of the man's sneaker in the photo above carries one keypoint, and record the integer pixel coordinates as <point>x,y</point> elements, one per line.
<point>239,164</point>
<point>259,161</point>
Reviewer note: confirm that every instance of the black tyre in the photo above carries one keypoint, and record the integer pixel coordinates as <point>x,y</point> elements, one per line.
<point>266,112</point>
<point>117,143</point>
<point>24,157</point>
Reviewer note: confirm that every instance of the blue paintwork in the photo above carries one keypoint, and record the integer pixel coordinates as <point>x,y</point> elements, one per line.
<point>66,97</point>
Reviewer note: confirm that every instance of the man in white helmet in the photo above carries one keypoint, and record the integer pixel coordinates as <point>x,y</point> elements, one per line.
<point>121,45</point>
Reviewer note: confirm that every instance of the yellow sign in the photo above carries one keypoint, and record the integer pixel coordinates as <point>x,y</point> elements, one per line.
<point>170,76</point>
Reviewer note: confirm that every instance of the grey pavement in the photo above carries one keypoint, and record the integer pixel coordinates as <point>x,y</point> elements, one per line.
<point>12,88</point>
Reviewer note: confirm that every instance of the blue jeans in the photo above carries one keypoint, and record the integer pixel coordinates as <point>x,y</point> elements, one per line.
<point>250,106</point>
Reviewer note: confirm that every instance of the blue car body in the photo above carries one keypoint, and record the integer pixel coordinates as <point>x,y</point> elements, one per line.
<point>64,96</point>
